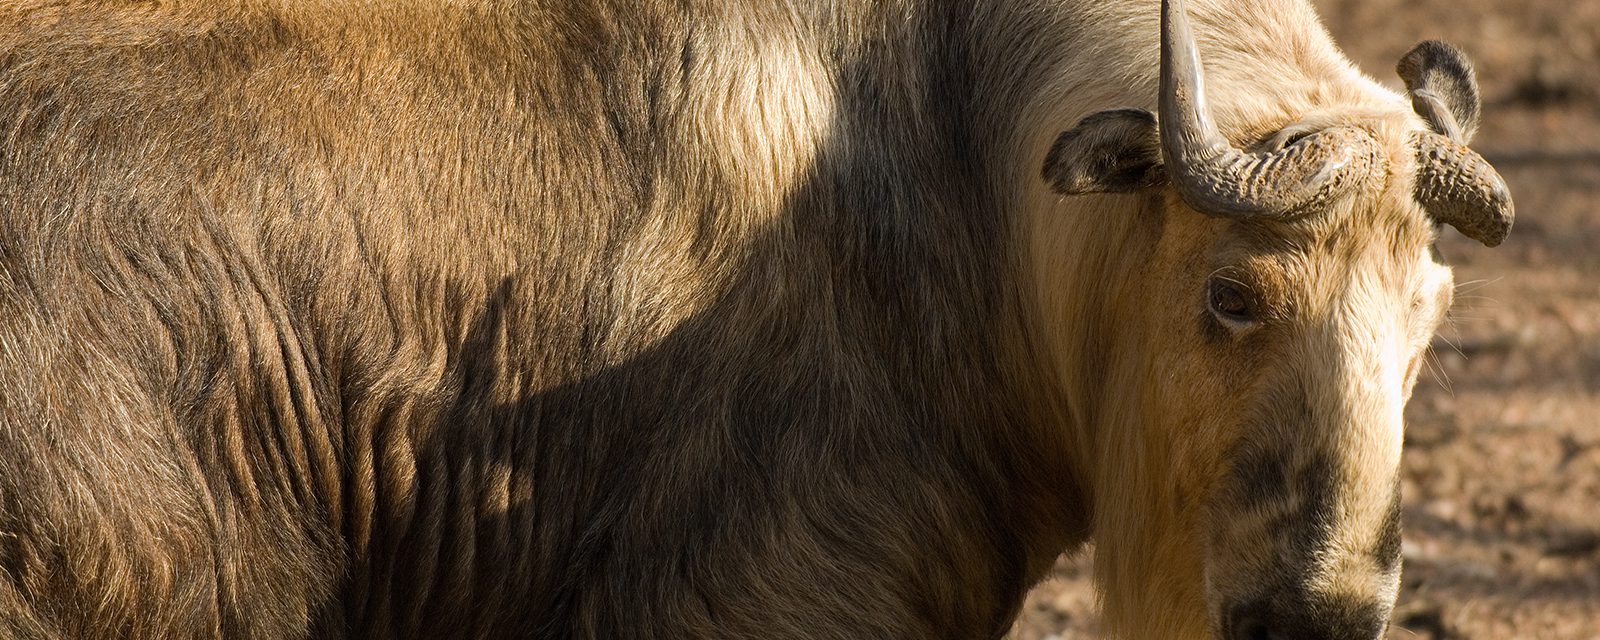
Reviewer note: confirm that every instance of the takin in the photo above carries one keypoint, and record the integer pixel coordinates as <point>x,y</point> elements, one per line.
<point>710,318</point>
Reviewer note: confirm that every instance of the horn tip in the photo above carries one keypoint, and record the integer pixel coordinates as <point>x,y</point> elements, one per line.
<point>1494,228</point>
<point>1504,211</point>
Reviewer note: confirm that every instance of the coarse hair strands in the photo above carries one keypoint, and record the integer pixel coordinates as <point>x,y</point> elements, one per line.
<point>491,320</point>
<point>638,318</point>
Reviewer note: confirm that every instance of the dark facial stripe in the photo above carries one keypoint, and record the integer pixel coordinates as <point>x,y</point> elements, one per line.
<point>1316,481</point>
<point>1387,550</point>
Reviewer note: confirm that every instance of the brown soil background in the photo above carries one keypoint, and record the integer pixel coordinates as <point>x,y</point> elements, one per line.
<point>1502,468</point>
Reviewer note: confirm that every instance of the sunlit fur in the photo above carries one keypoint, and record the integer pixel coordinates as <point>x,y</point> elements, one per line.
<point>627,319</point>
<point>1160,413</point>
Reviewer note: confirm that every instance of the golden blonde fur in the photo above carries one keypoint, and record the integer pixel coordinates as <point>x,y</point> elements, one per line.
<point>648,319</point>
<point>1152,418</point>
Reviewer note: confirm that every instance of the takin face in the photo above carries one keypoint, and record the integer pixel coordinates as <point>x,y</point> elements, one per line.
<point>1305,291</point>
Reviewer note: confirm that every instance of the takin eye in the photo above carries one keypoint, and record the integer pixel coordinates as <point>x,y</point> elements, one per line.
<point>1230,302</point>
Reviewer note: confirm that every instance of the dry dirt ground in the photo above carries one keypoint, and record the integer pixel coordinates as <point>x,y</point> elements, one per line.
<point>1502,467</point>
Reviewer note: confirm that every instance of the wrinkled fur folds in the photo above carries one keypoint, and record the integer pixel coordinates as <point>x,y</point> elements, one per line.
<point>564,321</point>
<point>603,319</point>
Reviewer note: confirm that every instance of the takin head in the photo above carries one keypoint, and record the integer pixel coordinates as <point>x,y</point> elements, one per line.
<point>1305,290</point>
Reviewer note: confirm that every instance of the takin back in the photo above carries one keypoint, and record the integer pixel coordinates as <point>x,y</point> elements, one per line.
<point>710,318</point>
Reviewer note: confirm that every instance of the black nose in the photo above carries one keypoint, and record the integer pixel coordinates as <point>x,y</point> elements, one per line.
<point>1297,619</point>
<point>1253,628</point>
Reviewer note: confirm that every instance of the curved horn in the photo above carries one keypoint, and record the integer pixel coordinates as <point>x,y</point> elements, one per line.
<point>1217,179</point>
<point>1459,188</point>
<point>1454,184</point>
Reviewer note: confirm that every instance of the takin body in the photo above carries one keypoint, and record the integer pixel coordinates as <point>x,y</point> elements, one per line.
<point>626,318</point>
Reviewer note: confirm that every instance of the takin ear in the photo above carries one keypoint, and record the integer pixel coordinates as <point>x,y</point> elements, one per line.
<point>1115,151</point>
<point>1443,88</point>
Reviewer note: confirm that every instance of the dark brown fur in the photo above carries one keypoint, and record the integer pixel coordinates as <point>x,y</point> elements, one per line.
<point>326,322</point>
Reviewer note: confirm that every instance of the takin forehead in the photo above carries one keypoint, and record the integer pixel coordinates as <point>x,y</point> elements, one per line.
<point>1379,242</point>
